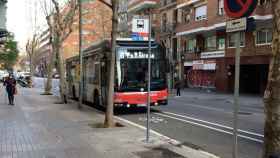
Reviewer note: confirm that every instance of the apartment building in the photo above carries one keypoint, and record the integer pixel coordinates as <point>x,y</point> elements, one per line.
<point>207,52</point>
<point>96,25</point>
<point>44,54</point>
<point>3,12</point>
<point>3,20</point>
<point>168,21</point>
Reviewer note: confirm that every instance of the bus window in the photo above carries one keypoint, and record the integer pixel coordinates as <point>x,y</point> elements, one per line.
<point>133,71</point>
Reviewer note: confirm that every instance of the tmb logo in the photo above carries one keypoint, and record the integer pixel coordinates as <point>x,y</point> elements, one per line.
<point>240,8</point>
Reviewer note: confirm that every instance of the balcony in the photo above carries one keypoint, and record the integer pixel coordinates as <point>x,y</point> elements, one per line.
<point>186,3</point>
<point>168,28</point>
<point>167,3</point>
<point>140,5</point>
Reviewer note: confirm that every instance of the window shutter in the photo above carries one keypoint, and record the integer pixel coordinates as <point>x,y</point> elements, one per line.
<point>180,16</point>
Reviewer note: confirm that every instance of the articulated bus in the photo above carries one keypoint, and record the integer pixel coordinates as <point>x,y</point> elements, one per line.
<point>131,71</point>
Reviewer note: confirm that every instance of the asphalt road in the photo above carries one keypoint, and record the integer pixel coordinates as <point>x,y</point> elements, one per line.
<point>205,120</point>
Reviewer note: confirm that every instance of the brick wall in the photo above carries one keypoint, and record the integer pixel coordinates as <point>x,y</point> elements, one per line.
<point>251,49</point>
<point>97,24</point>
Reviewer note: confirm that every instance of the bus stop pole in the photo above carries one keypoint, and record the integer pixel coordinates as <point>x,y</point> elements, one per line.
<point>81,57</point>
<point>149,80</point>
<point>236,96</point>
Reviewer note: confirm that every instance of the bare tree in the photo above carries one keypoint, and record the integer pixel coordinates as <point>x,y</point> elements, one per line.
<point>272,93</point>
<point>60,22</point>
<point>32,50</point>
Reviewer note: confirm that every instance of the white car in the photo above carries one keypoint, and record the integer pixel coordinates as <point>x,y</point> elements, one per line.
<point>24,74</point>
<point>3,74</point>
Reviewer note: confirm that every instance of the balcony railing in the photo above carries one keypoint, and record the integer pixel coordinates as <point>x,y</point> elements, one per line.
<point>168,28</point>
<point>164,3</point>
<point>194,50</point>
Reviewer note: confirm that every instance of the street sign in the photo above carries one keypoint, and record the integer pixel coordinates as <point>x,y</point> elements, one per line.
<point>239,8</point>
<point>137,37</point>
<point>140,27</point>
<point>236,25</point>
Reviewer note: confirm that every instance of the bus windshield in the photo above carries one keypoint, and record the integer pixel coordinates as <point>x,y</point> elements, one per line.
<point>132,71</point>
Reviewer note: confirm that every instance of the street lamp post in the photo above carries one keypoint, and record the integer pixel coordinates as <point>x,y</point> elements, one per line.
<point>149,79</point>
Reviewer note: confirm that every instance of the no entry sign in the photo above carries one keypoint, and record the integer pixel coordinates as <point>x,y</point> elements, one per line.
<point>239,8</point>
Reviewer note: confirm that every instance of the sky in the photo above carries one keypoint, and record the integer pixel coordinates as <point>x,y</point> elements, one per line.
<point>20,19</point>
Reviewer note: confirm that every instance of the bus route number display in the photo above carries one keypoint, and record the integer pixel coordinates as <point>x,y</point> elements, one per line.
<point>135,55</point>
<point>239,8</point>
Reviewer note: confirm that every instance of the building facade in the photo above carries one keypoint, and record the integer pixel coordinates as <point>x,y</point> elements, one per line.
<point>167,35</point>
<point>207,51</point>
<point>3,20</point>
<point>3,11</point>
<point>96,25</point>
<point>44,55</point>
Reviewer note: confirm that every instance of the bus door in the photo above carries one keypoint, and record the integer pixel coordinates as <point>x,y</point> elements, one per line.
<point>104,79</point>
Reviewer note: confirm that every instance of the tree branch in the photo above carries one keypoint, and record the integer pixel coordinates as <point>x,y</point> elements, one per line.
<point>107,3</point>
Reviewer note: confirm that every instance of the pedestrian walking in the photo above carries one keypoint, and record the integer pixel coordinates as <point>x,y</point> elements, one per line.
<point>178,85</point>
<point>10,84</point>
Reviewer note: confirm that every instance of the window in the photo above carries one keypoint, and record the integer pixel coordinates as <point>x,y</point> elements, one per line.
<point>191,45</point>
<point>221,7</point>
<point>231,40</point>
<point>211,43</point>
<point>186,16</point>
<point>263,2</point>
<point>201,13</point>
<point>264,36</point>
<point>221,43</point>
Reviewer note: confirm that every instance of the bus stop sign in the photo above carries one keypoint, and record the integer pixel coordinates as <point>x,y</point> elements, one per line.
<point>239,8</point>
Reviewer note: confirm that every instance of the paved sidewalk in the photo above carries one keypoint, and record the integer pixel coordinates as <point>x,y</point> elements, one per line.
<point>37,128</point>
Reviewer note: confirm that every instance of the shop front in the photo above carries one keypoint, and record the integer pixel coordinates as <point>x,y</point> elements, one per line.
<point>253,74</point>
<point>200,74</point>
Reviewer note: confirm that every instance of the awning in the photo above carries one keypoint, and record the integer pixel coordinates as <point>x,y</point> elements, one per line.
<point>204,65</point>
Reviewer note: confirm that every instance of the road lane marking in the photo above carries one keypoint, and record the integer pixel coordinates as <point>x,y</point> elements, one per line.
<point>170,140</point>
<point>211,123</point>
<point>214,108</point>
<point>209,127</point>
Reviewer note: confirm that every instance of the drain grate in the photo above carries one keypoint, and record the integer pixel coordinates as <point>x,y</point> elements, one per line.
<point>191,145</point>
<point>159,152</point>
<point>244,113</point>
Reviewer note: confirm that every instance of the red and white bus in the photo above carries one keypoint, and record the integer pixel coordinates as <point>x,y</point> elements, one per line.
<point>130,78</point>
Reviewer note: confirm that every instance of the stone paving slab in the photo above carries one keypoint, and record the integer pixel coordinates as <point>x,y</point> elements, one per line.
<point>37,128</point>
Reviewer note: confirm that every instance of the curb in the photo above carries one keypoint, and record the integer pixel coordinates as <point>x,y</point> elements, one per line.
<point>168,139</point>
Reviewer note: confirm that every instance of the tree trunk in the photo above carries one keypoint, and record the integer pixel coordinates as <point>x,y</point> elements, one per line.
<point>272,93</point>
<point>48,85</point>
<point>61,70</point>
<point>31,66</point>
<point>109,115</point>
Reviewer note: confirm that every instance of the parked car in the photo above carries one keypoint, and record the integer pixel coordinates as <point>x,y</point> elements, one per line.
<point>3,74</point>
<point>56,76</point>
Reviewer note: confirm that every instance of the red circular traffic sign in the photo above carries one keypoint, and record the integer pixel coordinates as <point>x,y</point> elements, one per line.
<point>239,8</point>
